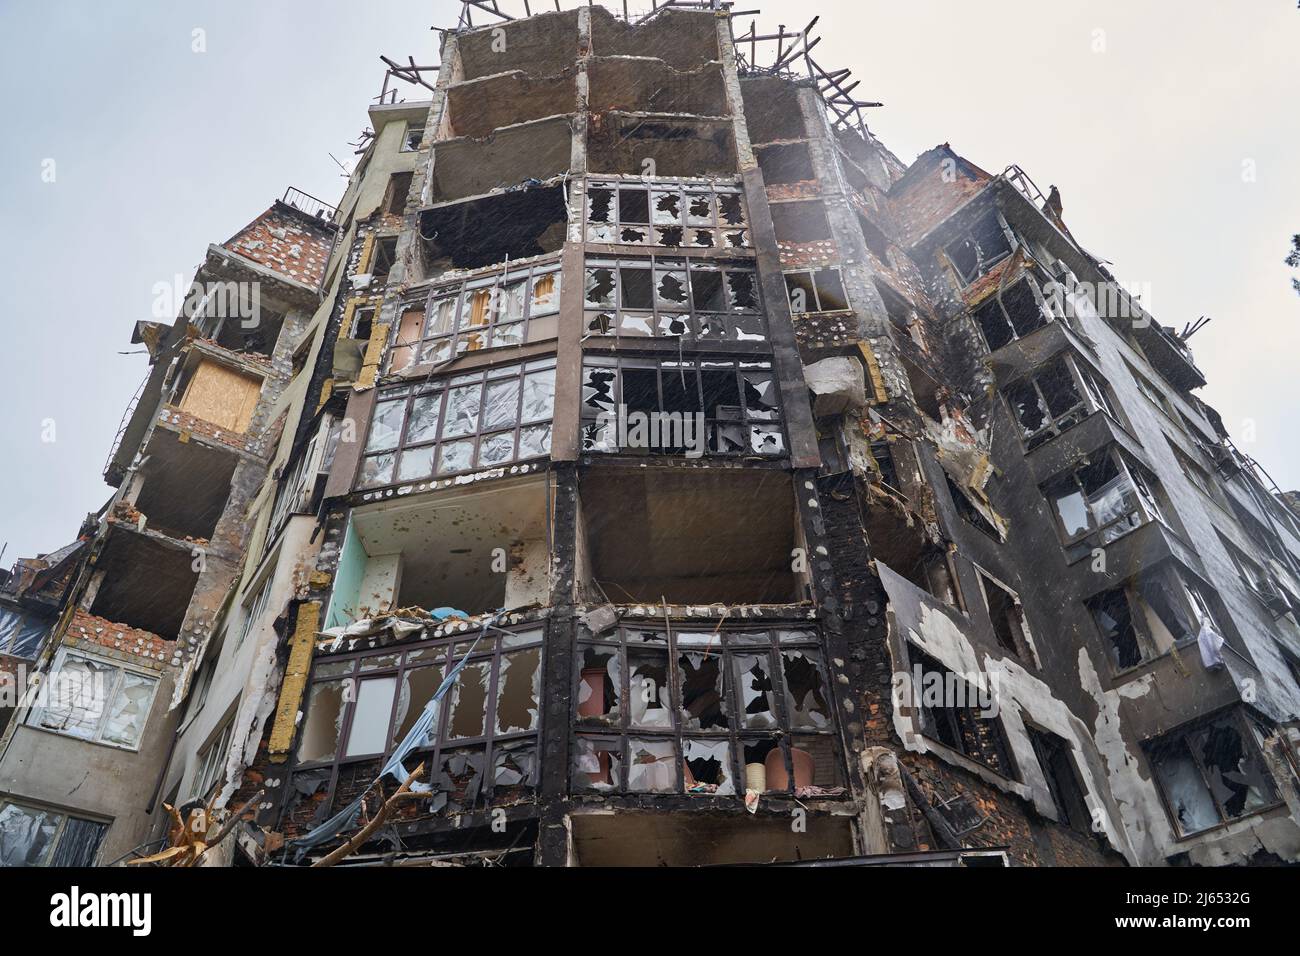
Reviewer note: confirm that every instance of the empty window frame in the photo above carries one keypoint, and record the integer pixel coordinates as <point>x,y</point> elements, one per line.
<point>399,185</point>
<point>37,836</point>
<point>488,312</point>
<point>412,137</point>
<point>1061,772</point>
<point>673,298</point>
<point>212,764</point>
<point>1020,312</point>
<point>738,402</point>
<point>1212,773</point>
<point>1104,499</point>
<point>816,290</point>
<point>1007,615</point>
<point>1056,397</point>
<point>1152,612</point>
<point>666,214</point>
<point>361,706</point>
<point>959,719</point>
<point>96,700</point>
<point>711,713</point>
<point>383,257</point>
<point>455,424</point>
<point>1154,395</point>
<point>785,163</point>
<point>21,633</point>
<point>984,246</point>
<point>969,513</point>
<point>797,223</point>
<point>298,488</point>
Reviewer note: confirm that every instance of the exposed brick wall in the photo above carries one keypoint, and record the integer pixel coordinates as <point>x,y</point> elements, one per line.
<point>88,629</point>
<point>287,244</point>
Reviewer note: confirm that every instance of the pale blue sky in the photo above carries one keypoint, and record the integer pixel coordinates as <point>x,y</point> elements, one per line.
<point>159,151</point>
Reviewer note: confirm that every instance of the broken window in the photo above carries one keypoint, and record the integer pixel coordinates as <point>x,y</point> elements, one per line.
<point>443,426</point>
<point>801,222</point>
<point>1152,612</point>
<point>1057,397</point>
<point>37,836</point>
<point>1212,772</point>
<point>22,633</point>
<point>959,715</point>
<point>819,290</point>
<point>666,214</point>
<point>362,706</point>
<point>706,709</point>
<point>383,257</point>
<point>489,312</point>
<point>1015,315</point>
<point>1104,499</point>
<point>785,163</point>
<point>673,298</point>
<point>638,407</point>
<point>1007,615</point>
<point>875,239</point>
<point>412,138</point>
<point>1058,767</point>
<point>987,244</point>
<point>969,513</point>
<point>95,700</point>
<point>399,185</point>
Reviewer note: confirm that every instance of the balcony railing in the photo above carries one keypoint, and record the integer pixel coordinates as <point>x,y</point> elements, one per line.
<point>309,204</point>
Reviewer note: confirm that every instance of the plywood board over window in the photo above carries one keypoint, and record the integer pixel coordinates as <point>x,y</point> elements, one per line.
<point>222,396</point>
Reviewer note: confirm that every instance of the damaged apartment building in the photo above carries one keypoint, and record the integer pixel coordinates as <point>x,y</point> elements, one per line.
<point>642,466</point>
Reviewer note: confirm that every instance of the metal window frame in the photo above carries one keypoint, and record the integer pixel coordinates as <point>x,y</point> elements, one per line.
<point>452,648</point>
<point>811,272</point>
<point>442,387</point>
<point>424,348</point>
<point>727,644</point>
<point>588,417</point>
<point>1179,737</point>
<point>718,230</point>
<point>727,319</point>
<point>110,695</point>
<point>57,837</point>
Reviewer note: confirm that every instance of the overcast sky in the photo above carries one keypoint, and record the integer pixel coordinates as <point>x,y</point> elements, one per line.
<point>1170,128</point>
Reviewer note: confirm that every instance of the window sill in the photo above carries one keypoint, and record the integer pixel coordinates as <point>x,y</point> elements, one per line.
<point>82,740</point>
<point>1218,827</point>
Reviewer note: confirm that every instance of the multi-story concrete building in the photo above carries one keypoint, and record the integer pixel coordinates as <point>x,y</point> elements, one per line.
<point>676,477</point>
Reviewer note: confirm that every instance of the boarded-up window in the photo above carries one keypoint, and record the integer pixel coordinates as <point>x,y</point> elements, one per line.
<point>222,396</point>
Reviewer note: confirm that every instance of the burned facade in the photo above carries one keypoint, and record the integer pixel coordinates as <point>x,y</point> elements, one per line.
<point>642,465</point>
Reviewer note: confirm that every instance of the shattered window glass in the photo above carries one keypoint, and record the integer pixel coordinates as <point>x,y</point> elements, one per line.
<point>1211,774</point>
<point>707,767</point>
<point>32,836</point>
<point>703,692</point>
<point>597,763</point>
<point>652,765</point>
<point>494,704</point>
<point>386,425</point>
<point>489,402</point>
<point>26,835</point>
<point>418,687</point>
<point>97,701</point>
<point>753,676</point>
<point>599,685</point>
<point>678,392</point>
<point>685,690</point>
<point>648,688</point>
<point>519,690</point>
<point>469,699</point>
<point>665,294</point>
<point>805,690</point>
<point>130,710</point>
<point>664,214</point>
